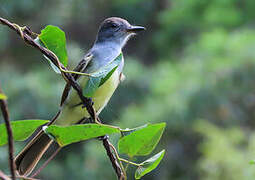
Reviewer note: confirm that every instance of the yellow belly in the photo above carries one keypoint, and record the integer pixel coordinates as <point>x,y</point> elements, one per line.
<point>100,98</point>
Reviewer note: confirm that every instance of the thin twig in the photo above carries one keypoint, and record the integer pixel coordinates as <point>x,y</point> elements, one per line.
<point>54,59</point>
<point>118,158</point>
<point>114,160</point>
<point>46,162</point>
<point>87,102</point>
<point>4,176</point>
<point>26,178</point>
<point>5,112</point>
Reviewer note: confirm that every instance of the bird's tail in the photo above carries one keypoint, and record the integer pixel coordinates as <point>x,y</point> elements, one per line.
<point>28,158</point>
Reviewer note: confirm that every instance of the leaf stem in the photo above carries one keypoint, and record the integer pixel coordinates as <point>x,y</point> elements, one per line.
<point>21,29</point>
<point>117,155</point>
<point>71,82</point>
<point>127,165</point>
<point>76,72</point>
<point>68,71</point>
<point>129,162</point>
<point>115,127</point>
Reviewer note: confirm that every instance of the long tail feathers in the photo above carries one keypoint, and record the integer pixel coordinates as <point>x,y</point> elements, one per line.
<point>28,158</point>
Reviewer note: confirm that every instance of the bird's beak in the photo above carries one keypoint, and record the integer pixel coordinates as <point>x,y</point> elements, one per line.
<point>135,29</point>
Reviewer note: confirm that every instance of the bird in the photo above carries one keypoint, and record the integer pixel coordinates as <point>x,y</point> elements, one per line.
<point>112,35</point>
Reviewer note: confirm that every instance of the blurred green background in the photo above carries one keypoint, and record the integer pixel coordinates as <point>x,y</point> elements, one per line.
<point>193,68</point>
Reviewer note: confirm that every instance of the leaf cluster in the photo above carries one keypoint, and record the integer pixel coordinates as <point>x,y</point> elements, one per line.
<point>139,141</point>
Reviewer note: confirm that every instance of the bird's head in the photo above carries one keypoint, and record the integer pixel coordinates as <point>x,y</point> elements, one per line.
<point>116,30</point>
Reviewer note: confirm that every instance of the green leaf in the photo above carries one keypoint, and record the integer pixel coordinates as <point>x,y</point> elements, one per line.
<point>3,96</point>
<point>101,76</point>
<point>53,66</point>
<point>142,141</point>
<point>21,129</point>
<point>148,165</point>
<point>65,135</point>
<point>127,131</point>
<point>252,162</point>
<point>53,38</point>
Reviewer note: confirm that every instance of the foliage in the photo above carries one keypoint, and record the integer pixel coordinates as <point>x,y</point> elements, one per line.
<point>196,61</point>
<point>148,165</point>
<point>76,133</point>
<point>141,141</point>
<point>21,130</point>
<point>2,96</point>
<point>230,160</point>
<point>53,38</point>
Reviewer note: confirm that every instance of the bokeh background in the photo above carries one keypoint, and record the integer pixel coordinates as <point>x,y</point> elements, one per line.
<point>193,68</point>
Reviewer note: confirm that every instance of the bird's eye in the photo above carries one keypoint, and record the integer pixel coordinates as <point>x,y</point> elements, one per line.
<point>113,25</point>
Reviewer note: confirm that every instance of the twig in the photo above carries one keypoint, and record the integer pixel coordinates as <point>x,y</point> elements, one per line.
<point>120,173</point>
<point>26,178</point>
<point>4,176</point>
<point>25,33</point>
<point>54,59</point>
<point>117,156</point>
<point>5,112</point>
<point>46,162</point>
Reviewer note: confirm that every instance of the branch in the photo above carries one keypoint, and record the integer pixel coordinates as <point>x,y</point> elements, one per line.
<point>5,112</point>
<point>117,167</point>
<point>25,33</point>
<point>4,176</point>
<point>26,178</point>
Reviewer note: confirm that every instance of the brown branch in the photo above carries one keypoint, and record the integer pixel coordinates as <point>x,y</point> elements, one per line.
<point>107,145</point>
<point>87,102</point>
<point>5,112</point>
<point>54,59</point>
